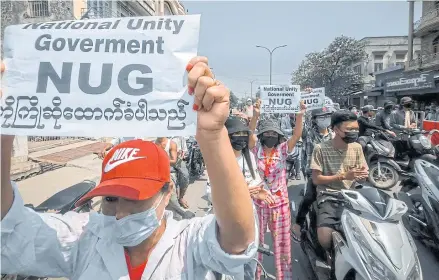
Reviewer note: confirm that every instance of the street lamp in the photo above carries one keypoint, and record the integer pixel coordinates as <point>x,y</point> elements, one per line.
<point>271,55</point>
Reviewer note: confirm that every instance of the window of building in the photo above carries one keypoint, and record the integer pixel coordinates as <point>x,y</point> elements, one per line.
<point>436,45</point>
<point>378,56</point>
<point>378,66</point>
<point>357,69</point>
<point>38,8</point>
<point>400,63</point>
<point>400,56</point>
<point>168,10</point>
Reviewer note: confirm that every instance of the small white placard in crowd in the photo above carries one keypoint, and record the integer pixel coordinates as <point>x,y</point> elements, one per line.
<point>280,99</point>
<point>314,99</point>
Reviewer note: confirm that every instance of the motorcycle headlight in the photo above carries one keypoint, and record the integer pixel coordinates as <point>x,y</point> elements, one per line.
<point>376,269</point>
<point>424,142</point>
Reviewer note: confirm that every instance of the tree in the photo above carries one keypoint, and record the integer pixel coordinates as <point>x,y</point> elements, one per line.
<point>331,68</point>
<point>233,100</point>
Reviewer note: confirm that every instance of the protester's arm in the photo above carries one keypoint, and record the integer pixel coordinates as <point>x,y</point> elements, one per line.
<point>298,129</point>
<point>252,125</point>
<point>394,122</point>
<point>173,153</point>
<point>317,169</point>
<point>368,124</point>
<point>234,213</point>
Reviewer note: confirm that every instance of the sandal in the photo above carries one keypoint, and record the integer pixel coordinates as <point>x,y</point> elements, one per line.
<point>183,203</point>
<point>296,238</point>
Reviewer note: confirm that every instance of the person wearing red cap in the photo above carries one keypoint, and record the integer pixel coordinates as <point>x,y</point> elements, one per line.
<point>134,237</point>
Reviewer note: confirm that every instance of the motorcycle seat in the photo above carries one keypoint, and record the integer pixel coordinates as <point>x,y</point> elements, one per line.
<point>65,200</point>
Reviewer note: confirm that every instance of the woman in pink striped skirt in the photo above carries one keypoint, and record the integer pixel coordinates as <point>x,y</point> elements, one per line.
<point>271,154</point>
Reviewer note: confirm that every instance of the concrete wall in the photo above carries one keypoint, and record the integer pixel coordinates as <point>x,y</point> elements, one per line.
<point>17,12</point>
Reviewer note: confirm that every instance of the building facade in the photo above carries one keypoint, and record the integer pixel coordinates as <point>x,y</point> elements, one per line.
<point>420,78</point>
<point>383,53</point>
<point>109,8</point>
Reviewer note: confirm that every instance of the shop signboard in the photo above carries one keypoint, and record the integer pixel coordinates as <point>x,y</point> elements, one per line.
<point>410,82</point>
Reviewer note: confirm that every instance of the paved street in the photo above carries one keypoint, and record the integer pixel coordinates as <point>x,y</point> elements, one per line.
<point>37,189</point>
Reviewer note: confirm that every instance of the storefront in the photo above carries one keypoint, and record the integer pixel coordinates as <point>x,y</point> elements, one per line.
<point>422,87</point>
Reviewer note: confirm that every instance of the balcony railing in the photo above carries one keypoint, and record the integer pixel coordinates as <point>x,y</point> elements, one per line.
<point>428,19</point>
<point>424,61</point>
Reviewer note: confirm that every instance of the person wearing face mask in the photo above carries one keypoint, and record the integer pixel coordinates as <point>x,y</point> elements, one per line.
<point>271,156</point>
<point>367,126</point>
<point>317,133</point>
<point>134,237</point>
<point>248,110</point>
<point>239,134</point>
<point>335,165</point>
<point>383,117</point>
<point>353,109</point>
<point>404,118</point>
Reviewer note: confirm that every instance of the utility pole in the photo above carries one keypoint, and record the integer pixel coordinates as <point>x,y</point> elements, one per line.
<point>410,41</point>
<point>271,56</point>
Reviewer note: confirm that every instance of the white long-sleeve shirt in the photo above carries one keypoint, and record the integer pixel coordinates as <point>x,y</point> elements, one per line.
<point>76,246</point>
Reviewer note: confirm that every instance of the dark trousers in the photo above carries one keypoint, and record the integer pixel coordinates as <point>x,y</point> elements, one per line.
<point>309,197</point>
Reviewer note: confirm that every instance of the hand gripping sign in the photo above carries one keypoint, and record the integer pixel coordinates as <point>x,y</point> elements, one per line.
<point>101,77</point>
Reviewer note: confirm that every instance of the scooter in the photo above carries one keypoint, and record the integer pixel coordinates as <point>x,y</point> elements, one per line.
<point>379,153</point>
<point>412,144</point>
<point>371,242</point>
<point>421,194</point>
<point>292,161</point>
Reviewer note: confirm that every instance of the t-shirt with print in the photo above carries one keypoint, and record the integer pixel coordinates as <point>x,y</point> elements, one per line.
<point>273,170</point>
<point>246,172</point>
<point>332,161</point>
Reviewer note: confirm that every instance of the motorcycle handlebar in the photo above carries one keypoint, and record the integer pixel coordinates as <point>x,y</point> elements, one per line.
<point>264,250</point>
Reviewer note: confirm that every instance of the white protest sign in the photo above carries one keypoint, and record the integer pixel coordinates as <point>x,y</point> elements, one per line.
<point>100,77</point>
<point>280,99</point>
<point>314,99</point>
<point>328,102</point>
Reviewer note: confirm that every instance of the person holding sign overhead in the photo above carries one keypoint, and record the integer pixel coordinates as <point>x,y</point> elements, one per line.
<point>134,237</point>
<point>271,156</point>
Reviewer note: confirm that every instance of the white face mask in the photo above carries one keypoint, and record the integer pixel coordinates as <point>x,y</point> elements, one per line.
<point>323,123</point>
<point>133,229</point>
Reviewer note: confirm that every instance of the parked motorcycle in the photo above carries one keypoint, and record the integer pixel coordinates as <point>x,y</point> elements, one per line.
<point>194,160</point>
<point>61,203</point>
<point>383,169</point>
<point>371,242</point>
<point>412,144</point>
<point>292,160</point>
<point>421,194</point>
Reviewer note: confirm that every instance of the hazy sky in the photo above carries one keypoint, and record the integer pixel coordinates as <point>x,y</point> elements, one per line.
<point>231,30</point>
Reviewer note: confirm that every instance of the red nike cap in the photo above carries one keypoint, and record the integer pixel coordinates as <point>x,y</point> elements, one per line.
<point>135,170</point>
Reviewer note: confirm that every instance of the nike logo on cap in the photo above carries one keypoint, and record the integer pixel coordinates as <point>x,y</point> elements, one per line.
<point>121,156</point>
